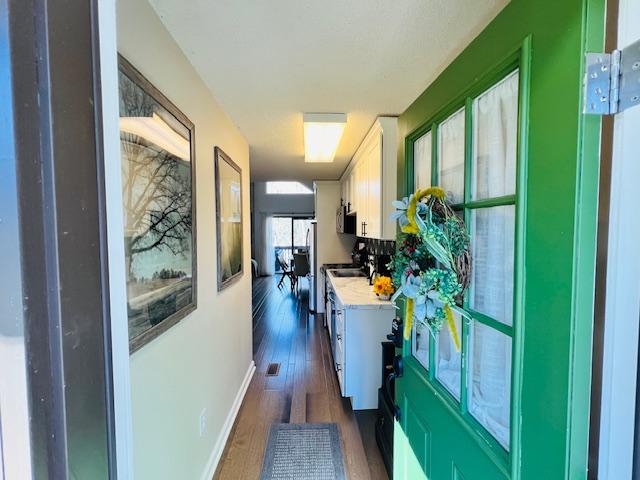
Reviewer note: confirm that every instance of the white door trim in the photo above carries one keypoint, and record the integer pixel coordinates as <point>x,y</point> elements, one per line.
<point>115,233</point>
<point>622,310</point>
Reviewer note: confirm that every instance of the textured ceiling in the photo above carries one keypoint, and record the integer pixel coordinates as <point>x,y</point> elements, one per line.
<point>268,61</point>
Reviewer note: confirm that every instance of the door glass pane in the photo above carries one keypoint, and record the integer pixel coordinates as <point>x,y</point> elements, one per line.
<point>451,156</point>
<point>449,361</point>
<point>492,243</point>
<point>420,344</point>
<point>422,161</point>
<point>495,140</point>
<point>490,380</point>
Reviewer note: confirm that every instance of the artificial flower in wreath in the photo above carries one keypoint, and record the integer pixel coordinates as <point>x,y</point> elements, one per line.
<point>432,262</point>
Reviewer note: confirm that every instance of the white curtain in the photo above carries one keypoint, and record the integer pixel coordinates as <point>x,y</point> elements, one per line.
<point>493,231</point>
<point>490,399</point>
<point>266,256</point>
<point>451,146</point>
<point>449,369</point>
<point>422,161</point>
<point>495,139</point>
<point>420,342</point>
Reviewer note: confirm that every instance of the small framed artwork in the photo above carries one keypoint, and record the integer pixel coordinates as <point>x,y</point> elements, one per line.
<point>157,151</point>
<point>228,219</point>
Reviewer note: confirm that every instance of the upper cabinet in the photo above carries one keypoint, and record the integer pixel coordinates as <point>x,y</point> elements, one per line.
<point>369,182</point>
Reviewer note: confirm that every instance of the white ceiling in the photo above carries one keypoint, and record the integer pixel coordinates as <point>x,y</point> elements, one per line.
<point>268,61</point>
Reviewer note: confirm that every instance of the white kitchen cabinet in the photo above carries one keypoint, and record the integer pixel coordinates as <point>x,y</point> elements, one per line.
<point>370,180</point>
<point>362,193</point>
<point>356,333</point>
<point>350,194</point>
<point>373,162</point>
<point>344,195</point>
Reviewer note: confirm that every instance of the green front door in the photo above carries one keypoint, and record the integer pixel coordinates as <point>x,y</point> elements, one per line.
<point>501,131</point>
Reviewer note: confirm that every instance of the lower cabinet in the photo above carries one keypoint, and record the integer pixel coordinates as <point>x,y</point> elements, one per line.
<point>357,352</point>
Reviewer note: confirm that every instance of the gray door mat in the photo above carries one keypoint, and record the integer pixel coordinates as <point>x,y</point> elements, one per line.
<point>304,451</point>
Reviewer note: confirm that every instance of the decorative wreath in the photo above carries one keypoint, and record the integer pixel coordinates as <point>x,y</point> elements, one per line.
<point>432,263</point>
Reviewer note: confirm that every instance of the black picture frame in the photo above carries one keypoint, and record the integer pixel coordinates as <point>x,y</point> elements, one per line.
<point>138,341</point>
<point>225,279</point>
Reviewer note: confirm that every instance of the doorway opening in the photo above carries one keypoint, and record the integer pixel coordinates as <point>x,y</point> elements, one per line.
<point>289,235</point>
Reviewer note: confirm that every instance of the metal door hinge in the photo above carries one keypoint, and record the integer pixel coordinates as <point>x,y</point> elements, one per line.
<point>612,81</point>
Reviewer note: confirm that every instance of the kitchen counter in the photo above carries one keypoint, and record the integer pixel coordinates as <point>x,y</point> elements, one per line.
<point>356,293</point>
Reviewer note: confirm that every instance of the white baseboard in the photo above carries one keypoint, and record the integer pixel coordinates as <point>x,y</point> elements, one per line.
<point>212,464</point>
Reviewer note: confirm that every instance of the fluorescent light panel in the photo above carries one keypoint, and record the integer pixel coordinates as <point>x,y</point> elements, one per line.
<point>322,134</point>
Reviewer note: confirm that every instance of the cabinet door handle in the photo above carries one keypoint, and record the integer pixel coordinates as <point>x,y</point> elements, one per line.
<point>338,367</point>
<point>364,229</point>
<point>339,337</point>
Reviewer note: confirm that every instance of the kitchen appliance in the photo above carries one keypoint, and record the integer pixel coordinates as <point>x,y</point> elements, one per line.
<point>345,222</point>
<point>385,418</point>
<point>360,255</point>
<point>312,245</point>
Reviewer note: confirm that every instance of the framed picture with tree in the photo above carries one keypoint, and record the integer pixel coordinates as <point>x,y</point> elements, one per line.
<point>158,190</point>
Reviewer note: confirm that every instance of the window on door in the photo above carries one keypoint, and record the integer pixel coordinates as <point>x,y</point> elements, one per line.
<point>289,236</point>
<point>473,158</point>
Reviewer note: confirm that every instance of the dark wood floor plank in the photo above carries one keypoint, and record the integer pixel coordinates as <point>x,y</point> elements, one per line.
<point>233,461</point>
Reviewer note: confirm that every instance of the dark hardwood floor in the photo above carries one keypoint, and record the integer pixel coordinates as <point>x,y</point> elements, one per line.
<point>305,390</point>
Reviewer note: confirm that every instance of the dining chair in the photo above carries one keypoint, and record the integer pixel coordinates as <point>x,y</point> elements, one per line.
<point>287,272</point>
<point>300,267</point>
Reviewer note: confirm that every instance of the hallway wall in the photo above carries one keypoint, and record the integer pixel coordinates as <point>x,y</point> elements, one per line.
<point>198,365</point>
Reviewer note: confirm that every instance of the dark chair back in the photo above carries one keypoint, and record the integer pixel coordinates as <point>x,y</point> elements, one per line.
<point>300,264</point>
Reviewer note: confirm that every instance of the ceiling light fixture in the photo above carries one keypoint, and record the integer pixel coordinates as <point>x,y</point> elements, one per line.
<point>322,133</point>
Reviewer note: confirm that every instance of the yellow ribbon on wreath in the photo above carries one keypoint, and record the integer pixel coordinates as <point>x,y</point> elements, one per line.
<point>408,318</point>
<point>412,226</point>
<point>453,329</point>
<point>408,323</point>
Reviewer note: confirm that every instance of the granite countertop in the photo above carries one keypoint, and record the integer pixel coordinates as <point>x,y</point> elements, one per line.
<point>356,293</point>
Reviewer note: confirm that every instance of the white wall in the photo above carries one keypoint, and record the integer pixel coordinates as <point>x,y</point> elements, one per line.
<point>15,461</point>
<point>332,246</point>
<point>199,364</point>
<point>282,204</point>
